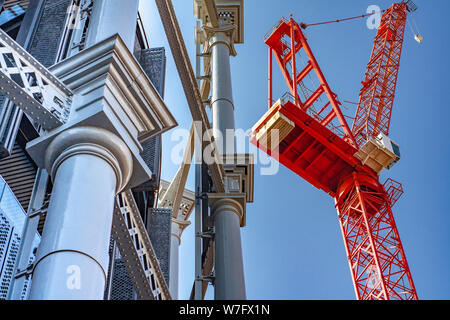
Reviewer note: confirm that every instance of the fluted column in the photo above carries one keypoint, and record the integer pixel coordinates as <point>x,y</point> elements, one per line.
<point>89,166</point>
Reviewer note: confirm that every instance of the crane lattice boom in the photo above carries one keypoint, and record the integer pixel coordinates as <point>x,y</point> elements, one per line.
<point>376,99</point>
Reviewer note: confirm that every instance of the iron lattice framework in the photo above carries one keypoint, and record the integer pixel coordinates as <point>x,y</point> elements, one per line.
<point>315,142</point>
<point>376,100</point>
<point>289,46</point>
<point>375,253</point>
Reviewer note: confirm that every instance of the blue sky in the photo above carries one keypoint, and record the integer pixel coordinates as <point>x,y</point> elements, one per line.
<point>293,247</point>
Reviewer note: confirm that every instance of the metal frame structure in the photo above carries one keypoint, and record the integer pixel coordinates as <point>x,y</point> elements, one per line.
<point>316,151</point>
<point>30,86</point>
<point>189,82</point>
<point>137,251</point>
<point>287,42</point>
<point>195,98</point>
<point>375,253</point>
<point>377,94</point>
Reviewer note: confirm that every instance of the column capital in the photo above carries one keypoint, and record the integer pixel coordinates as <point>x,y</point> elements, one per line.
<point>178,227</point>
<point>221,35</point>
<point>234,202</point>
<point>91,141</point>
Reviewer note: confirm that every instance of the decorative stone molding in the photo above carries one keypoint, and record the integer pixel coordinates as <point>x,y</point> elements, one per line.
<point>233,202</point>
<point>223,35</point>
<point>239,184</point>
<point>111,92</point>
<point>213,12</point>
<point>187,201</point>
<point>92,141</point>
<point>239,171</point>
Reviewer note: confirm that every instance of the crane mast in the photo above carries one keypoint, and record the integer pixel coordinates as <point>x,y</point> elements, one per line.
<point>306,131</point>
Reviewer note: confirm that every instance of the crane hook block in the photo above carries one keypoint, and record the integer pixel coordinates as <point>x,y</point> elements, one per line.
<point>418,38</point>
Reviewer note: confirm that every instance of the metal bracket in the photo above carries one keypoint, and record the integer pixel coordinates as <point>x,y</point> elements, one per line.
<point>206,77</point>
<point>205,54</point>
<point>211,278</point>
<point>40,211</point>
<point>208,234</point>
<point>202,196</point>
<point>207,102</point>
<point>26,272</point>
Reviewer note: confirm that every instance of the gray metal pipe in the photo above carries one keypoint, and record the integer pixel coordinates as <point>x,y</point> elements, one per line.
<point>229,263</point>
<point>222,94</point>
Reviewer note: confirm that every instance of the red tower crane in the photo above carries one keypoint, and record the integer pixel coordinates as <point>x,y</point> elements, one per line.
<point>306,131</point>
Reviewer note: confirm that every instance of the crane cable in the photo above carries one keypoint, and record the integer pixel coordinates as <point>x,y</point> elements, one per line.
<point>304,25</point>
<point>415,30</point>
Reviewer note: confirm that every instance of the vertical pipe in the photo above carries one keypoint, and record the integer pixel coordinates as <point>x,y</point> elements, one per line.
<point>229,264</point>
<point>222,96</point>
<point>198,229</point>
<point>29,233</point>
<point>198,183</point>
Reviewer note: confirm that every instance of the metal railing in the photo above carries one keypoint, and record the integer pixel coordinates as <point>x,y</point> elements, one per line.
<point>336,129</point>
<point>394,190</point>
<point>275,27</point>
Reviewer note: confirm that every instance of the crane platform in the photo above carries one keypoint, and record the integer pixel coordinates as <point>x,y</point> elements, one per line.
<point>306,147</point>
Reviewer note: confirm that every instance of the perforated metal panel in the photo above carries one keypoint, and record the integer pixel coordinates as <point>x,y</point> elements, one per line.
<point>122,287</point>
<point>9,248</point>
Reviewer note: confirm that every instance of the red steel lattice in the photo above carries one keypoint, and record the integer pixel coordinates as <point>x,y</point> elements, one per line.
<point>375,253</point>
<point>373,115</point>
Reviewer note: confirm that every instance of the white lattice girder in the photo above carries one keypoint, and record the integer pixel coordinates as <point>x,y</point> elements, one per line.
<point>30,86</point>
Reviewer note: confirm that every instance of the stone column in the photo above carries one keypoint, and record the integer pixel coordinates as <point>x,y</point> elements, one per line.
<point>89,166</point>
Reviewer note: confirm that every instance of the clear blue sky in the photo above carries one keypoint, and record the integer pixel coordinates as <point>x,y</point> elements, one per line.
<point>293,247</point>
